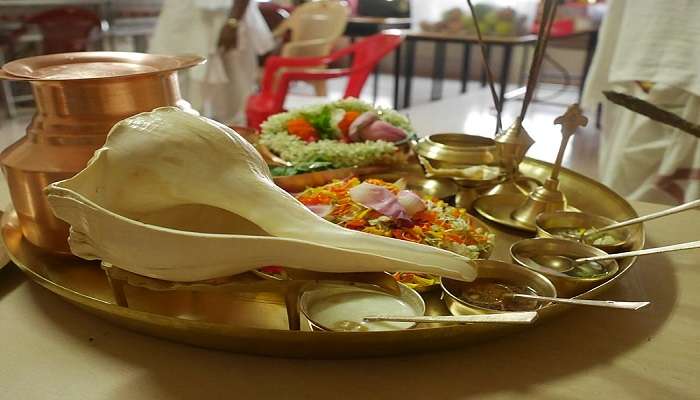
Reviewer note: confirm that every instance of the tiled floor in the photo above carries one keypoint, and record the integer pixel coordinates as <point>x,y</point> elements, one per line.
<point>472,113</point>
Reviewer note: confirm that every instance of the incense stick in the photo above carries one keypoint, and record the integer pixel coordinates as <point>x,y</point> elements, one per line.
<point>548,12</point>
<point>498,103</point>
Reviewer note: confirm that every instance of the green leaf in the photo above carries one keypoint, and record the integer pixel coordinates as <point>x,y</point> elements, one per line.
<point>323,122</point>
<point>301,168</point>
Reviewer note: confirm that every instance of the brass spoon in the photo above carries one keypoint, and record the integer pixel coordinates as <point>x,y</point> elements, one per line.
<point>525,317</point>
<point>625,305</point>
<point>673,210</point>
<point>563,263</point>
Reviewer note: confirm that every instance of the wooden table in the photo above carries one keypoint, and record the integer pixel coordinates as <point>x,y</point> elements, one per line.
<point>53,350</point>
<point>440,41</point>
<point>365,26</point>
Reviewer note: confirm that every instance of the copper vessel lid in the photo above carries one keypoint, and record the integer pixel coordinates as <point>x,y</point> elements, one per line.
<point>95,65</point>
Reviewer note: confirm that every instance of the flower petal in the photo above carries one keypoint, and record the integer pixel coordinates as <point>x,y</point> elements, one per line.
<point>320,209</point>
<point>411,202</point>
<point>378,198</point>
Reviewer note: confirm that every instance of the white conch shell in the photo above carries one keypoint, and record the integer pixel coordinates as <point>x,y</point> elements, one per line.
<point>179,197</point>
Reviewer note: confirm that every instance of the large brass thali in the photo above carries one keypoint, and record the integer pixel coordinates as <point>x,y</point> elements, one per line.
<point>256,323</point>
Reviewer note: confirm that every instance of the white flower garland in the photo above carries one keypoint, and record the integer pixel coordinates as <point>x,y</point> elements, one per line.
<point>339,154</point>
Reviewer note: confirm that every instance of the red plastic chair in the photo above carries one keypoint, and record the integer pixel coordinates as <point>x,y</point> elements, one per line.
<point>64,29</point>
<point>366,54</point>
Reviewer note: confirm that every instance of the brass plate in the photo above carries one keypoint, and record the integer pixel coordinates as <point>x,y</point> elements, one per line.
<point>256,322</point>
<point>498,208</point>
<point>96,65</point>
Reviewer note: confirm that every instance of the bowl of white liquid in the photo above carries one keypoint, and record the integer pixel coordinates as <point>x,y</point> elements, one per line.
<point>341,308</point>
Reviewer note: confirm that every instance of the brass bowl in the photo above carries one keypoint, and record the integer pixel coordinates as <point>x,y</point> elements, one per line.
<point>457,150</point>
<point>568,286</point>
<point>310,299</point>
<point>545,223</point>
<point>490,269</point>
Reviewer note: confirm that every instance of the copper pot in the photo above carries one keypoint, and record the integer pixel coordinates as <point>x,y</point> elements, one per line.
<point>79,97</point>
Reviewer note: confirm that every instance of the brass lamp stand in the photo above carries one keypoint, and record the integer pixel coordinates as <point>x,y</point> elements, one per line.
<point>548,197</point>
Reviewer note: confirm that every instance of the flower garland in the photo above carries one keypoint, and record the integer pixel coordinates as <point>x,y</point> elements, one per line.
<point>317,136</point>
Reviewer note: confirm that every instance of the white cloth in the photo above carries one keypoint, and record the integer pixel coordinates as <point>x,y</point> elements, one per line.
<point>219,88</point>
<point>645,160</point>
<point>647,40</point>
<point>659,42</point>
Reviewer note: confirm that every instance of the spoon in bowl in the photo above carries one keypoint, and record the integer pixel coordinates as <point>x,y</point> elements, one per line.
<point>669,211</point>
<point>564,263</point>
<point>625,305</point>
<point>525,317</point>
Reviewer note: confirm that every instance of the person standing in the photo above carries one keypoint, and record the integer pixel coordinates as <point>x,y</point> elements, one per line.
<point>230,34</point>
<point>649,49</point>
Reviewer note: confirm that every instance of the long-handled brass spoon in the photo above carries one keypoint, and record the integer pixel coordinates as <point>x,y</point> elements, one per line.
<point>525,317</point>
<point>625,305</point>
<point>673,210</point>
<point>563,263</point>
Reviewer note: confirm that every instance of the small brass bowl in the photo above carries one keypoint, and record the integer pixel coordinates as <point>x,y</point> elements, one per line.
<point>547,223</point>
<point>523,251</point>
<point>495,270</point>
<point>457,150</point>
<point>339,307</point>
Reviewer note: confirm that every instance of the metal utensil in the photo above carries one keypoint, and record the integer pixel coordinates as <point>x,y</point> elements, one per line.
<point>548,197</point>
<point>526,317</point>
<point>653,112</point>
<point>670,211</point>
<point>625,305</point>
<point>563,263</point>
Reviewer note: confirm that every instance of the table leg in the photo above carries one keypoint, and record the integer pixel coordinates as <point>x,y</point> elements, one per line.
<point>438,71</point>
<point>140,43</point>
<point>505,69</point>
<point>590,49</point>
<point>483,67</point>
<point>375,83</point>
<point>465,67</point>
<point>7,91</point>
<point>409,64</point>
<point>523,64</point>
<point>397,76</point>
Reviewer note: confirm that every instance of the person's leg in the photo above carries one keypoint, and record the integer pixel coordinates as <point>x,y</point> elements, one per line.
<point>241,65</point>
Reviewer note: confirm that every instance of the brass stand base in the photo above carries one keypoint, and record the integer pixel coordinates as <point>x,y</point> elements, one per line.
<point>546,198</point>
<point>519,184</point>
<point>499,208</point>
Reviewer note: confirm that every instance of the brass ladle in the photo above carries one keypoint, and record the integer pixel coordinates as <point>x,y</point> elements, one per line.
<point>625,305</point>
<point>564,263</point>
<point>525,317</point>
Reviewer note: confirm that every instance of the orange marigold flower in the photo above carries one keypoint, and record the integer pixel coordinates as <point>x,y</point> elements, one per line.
<point>303,129</point>
<point>344,124</point>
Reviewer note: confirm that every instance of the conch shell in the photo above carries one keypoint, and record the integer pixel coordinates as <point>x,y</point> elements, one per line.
<point>182,198</point>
